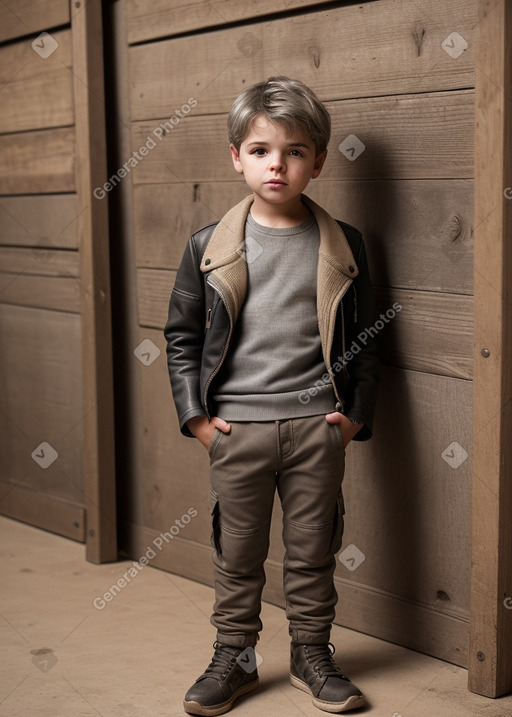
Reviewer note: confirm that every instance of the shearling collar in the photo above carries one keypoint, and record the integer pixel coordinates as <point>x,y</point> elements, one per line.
<point>224,262</point>
<point>226,243</point>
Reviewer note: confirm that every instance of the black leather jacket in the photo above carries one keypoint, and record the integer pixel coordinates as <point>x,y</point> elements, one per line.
<point>208,295</point>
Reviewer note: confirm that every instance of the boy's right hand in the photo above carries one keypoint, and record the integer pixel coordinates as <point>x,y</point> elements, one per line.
<point>203,428</point>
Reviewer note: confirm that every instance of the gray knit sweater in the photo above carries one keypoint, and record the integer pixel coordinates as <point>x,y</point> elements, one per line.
<point>275,351</point>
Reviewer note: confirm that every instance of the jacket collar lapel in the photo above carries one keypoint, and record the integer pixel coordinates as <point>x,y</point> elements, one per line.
<point>224,257</point>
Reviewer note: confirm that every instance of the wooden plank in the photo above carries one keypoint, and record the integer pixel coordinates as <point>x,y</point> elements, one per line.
<point>384,48</point>
<point>407,507</point>
<point>431,332</point>
<point>418,233</point>
<point>490,658</point>
<point>166,215</point>
<point>47,262</point>
<point>36,92</point>
<point>24,17</point>
<point>38,162</point>
<point>44,221</point>
<point>40,380</point>
<point>93,230</point>
<point>408,244</point>
<point>411,136</point>
<point>149,20</point>
<point>43,292</point>
<point>43,510</point>
<point>153,291</point>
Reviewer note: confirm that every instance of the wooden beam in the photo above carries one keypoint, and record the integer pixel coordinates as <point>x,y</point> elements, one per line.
<point>490,660</point>
<point>91,171</point>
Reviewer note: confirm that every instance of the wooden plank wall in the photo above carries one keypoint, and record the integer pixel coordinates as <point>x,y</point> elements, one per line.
<point>40,290</point>
<point>399,76</point>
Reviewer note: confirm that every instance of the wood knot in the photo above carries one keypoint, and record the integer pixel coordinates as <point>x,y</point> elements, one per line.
<point>315,54</point>
<point>418,35</point>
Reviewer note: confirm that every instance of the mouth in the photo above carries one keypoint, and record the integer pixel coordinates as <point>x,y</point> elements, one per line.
<point>276,183</point>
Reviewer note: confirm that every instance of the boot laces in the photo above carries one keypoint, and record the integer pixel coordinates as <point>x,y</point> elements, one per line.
<point>223,660</point>
<point>322,661</point>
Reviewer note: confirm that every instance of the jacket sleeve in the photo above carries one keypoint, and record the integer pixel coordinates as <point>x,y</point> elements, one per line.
<point>363,366</point>
<point>184,333</point>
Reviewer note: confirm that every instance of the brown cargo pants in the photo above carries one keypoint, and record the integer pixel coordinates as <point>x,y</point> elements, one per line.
<point>304,459</point>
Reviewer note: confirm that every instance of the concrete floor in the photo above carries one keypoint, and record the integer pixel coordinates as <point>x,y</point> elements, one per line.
<point>138,655</point>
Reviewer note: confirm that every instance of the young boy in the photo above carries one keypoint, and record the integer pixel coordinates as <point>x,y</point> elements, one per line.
<point>265,306</point>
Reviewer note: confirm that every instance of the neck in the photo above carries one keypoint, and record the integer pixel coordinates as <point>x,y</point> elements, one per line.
<point>290,214</point>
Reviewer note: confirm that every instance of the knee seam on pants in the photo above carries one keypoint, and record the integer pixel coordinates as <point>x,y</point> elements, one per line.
<point>306,526</point>
<point>241,533</point>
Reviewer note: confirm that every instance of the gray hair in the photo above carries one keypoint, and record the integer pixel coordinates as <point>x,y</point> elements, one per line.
<point>282,101</point>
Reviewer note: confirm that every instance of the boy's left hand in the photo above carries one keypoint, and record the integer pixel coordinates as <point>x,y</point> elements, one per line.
<point>347,428</point>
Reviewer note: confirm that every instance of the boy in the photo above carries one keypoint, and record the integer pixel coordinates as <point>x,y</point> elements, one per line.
<point>265,303</point>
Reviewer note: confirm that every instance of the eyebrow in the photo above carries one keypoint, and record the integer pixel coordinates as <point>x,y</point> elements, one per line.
<point>265,144</point>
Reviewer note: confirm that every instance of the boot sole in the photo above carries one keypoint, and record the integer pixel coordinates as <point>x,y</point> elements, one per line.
<point>334,707</point>
<point>194,708</point>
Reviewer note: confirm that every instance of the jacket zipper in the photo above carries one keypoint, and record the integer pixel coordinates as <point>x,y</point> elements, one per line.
<point>339,405</point>
<point>226,345</point>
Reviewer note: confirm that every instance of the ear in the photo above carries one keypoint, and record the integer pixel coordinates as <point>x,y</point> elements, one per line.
<point>236,159</point>
<point>319,163</point>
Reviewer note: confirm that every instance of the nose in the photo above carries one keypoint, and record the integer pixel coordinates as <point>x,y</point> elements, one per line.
<point>277,162</point>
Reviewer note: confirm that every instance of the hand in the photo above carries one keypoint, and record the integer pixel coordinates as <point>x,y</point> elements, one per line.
<point>347,428</point>
<point>203,429</point>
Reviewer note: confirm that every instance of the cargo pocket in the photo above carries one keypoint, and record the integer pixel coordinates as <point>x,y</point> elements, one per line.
<point>215,515</point>
<point>338,524</point>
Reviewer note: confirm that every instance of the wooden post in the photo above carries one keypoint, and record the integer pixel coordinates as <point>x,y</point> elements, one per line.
<point>91,172</point>
<point>490,662</point>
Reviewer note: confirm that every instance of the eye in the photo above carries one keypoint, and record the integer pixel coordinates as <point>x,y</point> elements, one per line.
<point>296,153</point>
<point>259,151</point>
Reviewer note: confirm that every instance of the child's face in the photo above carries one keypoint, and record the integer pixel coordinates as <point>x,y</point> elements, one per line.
<point>277,166</point>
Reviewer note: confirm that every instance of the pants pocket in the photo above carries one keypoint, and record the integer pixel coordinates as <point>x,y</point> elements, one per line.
<point>339,435</point>
<point>215,516</point>
<point>338,524</point>
<point>217,435</point>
